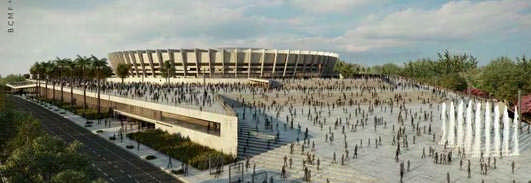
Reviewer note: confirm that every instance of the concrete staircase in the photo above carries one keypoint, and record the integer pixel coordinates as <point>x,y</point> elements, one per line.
<point>255,145</point>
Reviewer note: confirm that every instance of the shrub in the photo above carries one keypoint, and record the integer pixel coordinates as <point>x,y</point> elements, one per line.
<point>91,114</point>
<point>150,157</point>
<point>181,171</point>
<point>454,82</point>
<point>179,147</point>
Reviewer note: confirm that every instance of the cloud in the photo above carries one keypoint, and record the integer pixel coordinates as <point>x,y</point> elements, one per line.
<point>453,21</point>
<point>327,6</point>
<point>44,31</point>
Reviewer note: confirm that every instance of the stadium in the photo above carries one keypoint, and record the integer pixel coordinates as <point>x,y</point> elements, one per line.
<point>227,62</point>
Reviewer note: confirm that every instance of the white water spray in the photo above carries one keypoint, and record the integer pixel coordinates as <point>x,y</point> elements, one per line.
<point>468,134</point>
<point>516,150</point>
<point>443,118</point>
<point>505,131</point>
<point>451,127</point>
<point>496,131</point>
<point>487,129</point>
<point>477,132</point>
<point>460,124</point>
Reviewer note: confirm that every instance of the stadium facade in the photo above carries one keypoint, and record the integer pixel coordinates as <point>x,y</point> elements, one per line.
<point>228,62</point>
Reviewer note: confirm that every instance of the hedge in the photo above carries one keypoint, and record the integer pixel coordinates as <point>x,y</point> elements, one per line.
<point>179,147</point>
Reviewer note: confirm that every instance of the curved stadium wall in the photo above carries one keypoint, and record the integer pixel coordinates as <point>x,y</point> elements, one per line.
<point>228,62</point>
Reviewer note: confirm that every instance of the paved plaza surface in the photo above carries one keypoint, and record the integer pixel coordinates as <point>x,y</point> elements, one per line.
<point>371,99</point>
<point>341,116</point>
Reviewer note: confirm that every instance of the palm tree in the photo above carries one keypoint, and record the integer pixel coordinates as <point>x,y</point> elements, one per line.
<point>122,70</point>
<point>44,68</point>
<point>36,71</point>
<point>53,74</point>
<point>82,63</point>
<point>50,74</point>
<point>62,65</point>
<point>71,67</point>
<point>98,66</point>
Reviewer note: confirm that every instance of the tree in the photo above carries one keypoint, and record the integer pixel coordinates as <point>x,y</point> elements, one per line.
<point>391,69</point>
<point>71,67</point>
<point>347,70</point>
<point>98,66</point>
<point>62,65</point>
<point>81,64</point>
<point>50,70</point>
<point>37,71</point>
<point>168,70</point>
<point>503,77</point>
<point>45,159</point>
<point>68,176</point>
<point>454,81</point>
<point>122,70</point>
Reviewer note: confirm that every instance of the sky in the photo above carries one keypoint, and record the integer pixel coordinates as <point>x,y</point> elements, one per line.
<point>367,32</point>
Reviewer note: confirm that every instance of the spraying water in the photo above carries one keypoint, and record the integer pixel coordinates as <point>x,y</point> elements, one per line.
<point>468,135</point>
<point>505,131</point>
<point>451,127</point>
<point>516,150</point>
<point>460,125</point>
<point>443,117</point>
<point>487,129</point>
<point>496,131</point>
<point>477,132</point>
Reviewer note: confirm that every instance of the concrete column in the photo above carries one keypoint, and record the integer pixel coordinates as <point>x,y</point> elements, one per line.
<point>125,57</point>
<point>197,62</point>
<point>304,63</point>
<point>172,58</point>
<point>210,68</point>
<point>286,64</point>
<point>159,57</point>
<point>249,60</point>
<point>321,61</point>
<point>262,61</point>
<point>314,60</point>
<point>324,65</point>
<point>150,59</point>
<point>297,63</point>
<point>133,60</point>
<point>185,62</point>
<point>223,61</point>
<point>121,60</point>
<point>141,60</point>
<point>235,58</point>
<point>274,64</point>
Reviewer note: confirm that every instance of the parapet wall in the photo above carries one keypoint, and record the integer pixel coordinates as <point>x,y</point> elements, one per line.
<point>226,141</point>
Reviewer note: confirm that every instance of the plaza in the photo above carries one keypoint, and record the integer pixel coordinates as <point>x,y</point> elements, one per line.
<point>330,130</point>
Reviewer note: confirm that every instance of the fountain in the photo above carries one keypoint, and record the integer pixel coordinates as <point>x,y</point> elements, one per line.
<point>496,131</point>
<point>487,129</point>
<point>443,117</point>
<point>516,150</point>
<point>477,132</point>
<point>451,127</point>
<point>468,134</point>
<point>460,125</point>
<point>505,131</point>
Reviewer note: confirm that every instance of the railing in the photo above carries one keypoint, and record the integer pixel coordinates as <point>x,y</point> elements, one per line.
<point>222,100</point>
